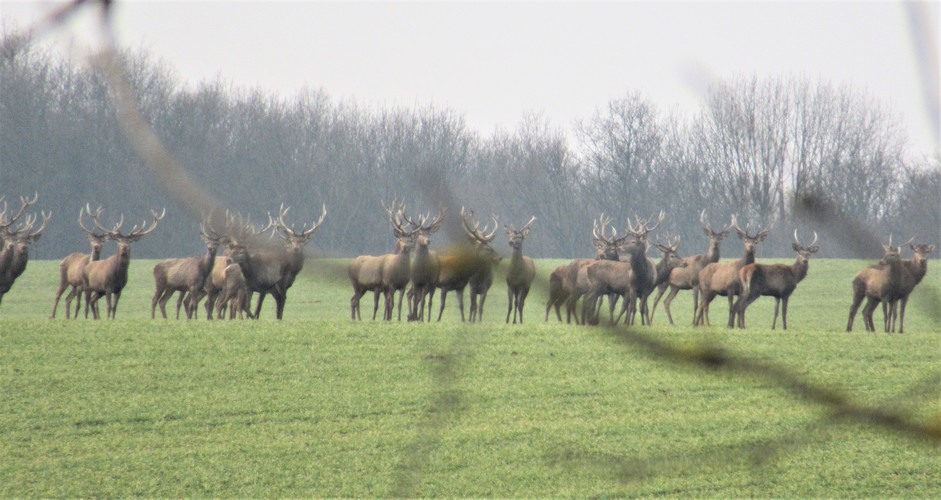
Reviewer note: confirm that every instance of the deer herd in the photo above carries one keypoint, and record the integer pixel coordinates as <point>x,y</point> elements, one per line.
<point>620,269</point>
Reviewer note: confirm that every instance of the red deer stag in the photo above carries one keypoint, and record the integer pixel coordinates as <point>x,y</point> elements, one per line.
<point>687,277</point>
<point>186,275</point>
<point>917,268</point>
<point>880,282</point>
<point>21,239</point>
<point>108,277</point>
<point>773,280</point>
<point>521,271</point>
<point>464,264</point>
<point>482,280</point>
<point>576,274</point>
<point>394,272</point>
<point>292,257</point>
<point>73,265</point>
<point>366,271</point>
<point>425,265</point>
<point>721,278</point>
<point>669,260</point>
<point>629,279</point>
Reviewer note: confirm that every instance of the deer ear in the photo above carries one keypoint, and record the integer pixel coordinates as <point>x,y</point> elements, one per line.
<point>930,248</point>
<point>813,249</point>
<point>526,232</point>
<point>796,247</point>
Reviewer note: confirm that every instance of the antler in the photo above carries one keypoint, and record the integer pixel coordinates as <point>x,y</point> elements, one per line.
<point>24,204</point>
<point>642,228</point>
<point>137,234</point>
<point>87,209</point>
<point>477,233</point>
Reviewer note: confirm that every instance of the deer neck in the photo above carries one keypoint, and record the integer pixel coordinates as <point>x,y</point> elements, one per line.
<point>917,266</point>
<point>516,258</point>
<point>712,255</point>
<point>800,268</point>
<point>747,258</point>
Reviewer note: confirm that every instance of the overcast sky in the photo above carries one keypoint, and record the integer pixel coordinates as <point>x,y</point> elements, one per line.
<point>494,62</point>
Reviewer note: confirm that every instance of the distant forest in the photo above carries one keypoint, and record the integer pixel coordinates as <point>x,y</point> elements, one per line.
<point>759,148</point>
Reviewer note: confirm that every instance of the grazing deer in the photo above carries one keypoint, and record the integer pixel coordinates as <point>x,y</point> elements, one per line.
<point>880,282</point>
<point>687,277</point>
<point>185,275</point>
<point>917,268</point>
<point>425,265</point>
<point>773,280</point>
<point>72,266</point>
<point>721,278</point>
<point>394,272</point>
<point>109,276</point>
<point>576,274</point>
<point>521,271</point>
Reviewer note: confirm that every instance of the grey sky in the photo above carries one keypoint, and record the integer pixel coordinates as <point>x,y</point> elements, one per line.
<point>493,62</point>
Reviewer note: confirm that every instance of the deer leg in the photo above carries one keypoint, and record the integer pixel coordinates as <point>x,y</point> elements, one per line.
<point>480,310</point>
<point>867,314</point>
<point>158,294</point>
<point>375,303</point>
<point>857,300</point>
<point>656,300</point>
<point>55,303</point>
<point>181,300</point>
<point>784,312</point>
<point>774,322</point>
<point>521,302</point>
<point>667,301</point>
<point>460,302</point>
<point>902,315</point>
<point>68,304</point>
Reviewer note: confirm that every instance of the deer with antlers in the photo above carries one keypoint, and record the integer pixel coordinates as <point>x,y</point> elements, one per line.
<point>425,265</point>
<point>917,268</point>
<point>292,257</point>
<point>395,268</point>
<point>482,280</point>
<point>721,278</point>
<point>687,277</point>
<point>630,279</point>
<point>15,253</point>
<point>72,267</point>
<point>881,282</point>
<point>185,275</point>
<point>469,264</point>
<point>576,275</point>
<point>521,271</point>
<point>366,271</point>
<point>669,260</point>
<point>234,293</point>
<point>108,277</point>
<point>773,280</point>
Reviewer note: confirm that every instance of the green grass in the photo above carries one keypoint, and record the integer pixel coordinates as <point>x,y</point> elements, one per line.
<point>318,405</point>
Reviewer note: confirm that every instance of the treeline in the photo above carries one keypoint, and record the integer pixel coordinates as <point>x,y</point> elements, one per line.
<point>758,148</point>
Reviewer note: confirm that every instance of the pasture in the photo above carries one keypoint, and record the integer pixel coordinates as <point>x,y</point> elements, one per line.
<point>319,405</point>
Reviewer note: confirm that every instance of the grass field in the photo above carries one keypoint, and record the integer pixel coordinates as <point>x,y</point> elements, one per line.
<point>318,405</point>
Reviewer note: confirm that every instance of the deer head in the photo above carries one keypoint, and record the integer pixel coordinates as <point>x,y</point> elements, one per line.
<point>517,236</point>
<point>404,238</point>
<point>137,232</point>
<point>478,237</point>
<point>607,246</point>
<point>95,239</point>
<point>751,242</point>
<point>294,240</point>
<point>643,228</point>
<point>425,229</point>
<point>804,253</point>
